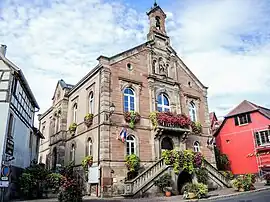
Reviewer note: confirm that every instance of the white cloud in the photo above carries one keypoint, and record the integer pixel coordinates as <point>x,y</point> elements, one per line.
<point>58,39</point>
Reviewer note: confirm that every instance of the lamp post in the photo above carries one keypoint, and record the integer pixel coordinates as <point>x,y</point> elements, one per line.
<point>111,111</point>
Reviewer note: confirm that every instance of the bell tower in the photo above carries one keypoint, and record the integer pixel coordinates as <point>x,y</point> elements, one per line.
<point>157,23</point>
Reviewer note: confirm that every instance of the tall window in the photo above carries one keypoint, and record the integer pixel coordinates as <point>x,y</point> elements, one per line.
<point>10,125</point>
<point>192,111</point>
<point>163,103</point>
<point>196,146</point>
<point>91,103</point>
<point>72,153</point>
<point>129,100</point>
<point>89,147</point>
<point>75,108</point>
<point>262,137</point>
<point>131,145</point>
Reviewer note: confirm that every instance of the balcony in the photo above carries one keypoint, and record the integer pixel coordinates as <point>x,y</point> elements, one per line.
<point>57,137</point>
<point>174,122</point>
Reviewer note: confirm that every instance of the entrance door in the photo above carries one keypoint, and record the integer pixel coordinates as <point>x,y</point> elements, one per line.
<point>166,144</point>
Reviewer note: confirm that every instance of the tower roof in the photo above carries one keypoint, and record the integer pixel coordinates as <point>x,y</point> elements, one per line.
<point>155,8</point>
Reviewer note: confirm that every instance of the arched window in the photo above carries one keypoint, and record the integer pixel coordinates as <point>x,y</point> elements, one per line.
<point>157,22</point>
<point>89,147</point>
<point>192,111</point>
<point>129,100</point>
<point>75,107</point>
<point>163,103</point>
<point>91,103</point>
<point>131,145</point>
<point>196,146</point>
<point>72,153</point>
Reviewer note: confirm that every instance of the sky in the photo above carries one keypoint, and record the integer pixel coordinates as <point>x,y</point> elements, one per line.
<point>225,43</point>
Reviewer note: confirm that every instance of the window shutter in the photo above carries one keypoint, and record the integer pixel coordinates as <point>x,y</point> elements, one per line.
<point>258,142</point>
<point>236,121</point>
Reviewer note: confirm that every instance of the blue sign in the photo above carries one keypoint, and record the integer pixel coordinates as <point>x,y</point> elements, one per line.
<point>5,171</point>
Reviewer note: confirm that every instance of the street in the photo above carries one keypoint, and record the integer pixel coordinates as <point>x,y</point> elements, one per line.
<point>262,196</point>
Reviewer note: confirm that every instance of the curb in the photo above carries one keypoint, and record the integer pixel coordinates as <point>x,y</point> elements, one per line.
<point>229,195</point>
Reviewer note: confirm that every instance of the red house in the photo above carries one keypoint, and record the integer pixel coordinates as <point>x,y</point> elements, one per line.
<point>244,136</point>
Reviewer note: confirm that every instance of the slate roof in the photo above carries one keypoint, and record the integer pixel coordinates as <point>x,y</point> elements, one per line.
<point>247,106</point>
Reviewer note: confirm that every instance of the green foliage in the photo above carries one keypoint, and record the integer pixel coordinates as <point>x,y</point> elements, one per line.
<point>222,160</point>
<point>153,119</point>
<point>132,118</point>
<point>196,128</point>
<point>54,181</point>
<point>244,182</point>
<point>87,161</point>
<point>228,174</point>
<point>132,162</point>
<point>88,119</point>
<point>202,175</point>
<point>33,181</point>
<point>199,189</point>
<point>72,128</point>
<point>182,160</point>
<point>163,181</point>
<point>70,190</point>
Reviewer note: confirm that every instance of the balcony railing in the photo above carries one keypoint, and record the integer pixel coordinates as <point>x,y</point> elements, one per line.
<point>57,137</point>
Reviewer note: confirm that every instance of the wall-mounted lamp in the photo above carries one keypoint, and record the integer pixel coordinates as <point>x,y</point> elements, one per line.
<point>111,109</point>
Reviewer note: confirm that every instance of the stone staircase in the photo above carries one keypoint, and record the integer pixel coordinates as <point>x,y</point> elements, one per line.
<point>216,176</point>
<point>145,180</point>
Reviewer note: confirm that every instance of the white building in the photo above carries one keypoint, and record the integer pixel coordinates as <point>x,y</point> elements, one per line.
<point>19,140</point>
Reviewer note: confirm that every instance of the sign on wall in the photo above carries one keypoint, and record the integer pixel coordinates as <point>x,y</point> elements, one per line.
<point>9,147</point>
<point>93,174</point>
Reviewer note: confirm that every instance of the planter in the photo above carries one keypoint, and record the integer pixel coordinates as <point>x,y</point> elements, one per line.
<point>241,190</point>
<point>191,195</point>
<point>88,120</point>
<point>168,193</point>
<point>131,175</point>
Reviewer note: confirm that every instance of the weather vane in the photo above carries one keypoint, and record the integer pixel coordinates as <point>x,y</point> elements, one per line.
<point>155,3</point>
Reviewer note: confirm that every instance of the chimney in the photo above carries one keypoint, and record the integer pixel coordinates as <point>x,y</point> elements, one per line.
<point>3,49</point>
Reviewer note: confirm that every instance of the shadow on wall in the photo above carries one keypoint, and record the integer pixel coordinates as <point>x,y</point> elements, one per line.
<point>183,179</point>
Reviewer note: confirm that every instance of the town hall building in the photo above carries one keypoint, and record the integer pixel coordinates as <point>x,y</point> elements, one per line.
<point>90,117</point>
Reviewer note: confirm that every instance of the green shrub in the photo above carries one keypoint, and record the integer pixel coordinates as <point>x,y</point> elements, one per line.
<point>132,162</point>
<point>202,175</point>
<point>199,189</point>
<point>163,181</point>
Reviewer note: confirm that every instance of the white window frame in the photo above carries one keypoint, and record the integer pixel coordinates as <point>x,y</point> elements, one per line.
<point>129,145</point>
<point>91,102</point>
<point>239,119</point>
<point>262,133</point>
<point>90,147</point>
<point>192,111</point>
<point>196,146</point>
<point>75,108</point>
<point>162,105</point>
<point>129,96</point>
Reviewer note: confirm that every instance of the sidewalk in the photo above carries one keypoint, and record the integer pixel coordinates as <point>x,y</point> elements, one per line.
<point>217,194</point>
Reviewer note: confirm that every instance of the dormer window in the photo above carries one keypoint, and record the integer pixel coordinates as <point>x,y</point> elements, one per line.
<point>157,22</point>
<point>242,119</point>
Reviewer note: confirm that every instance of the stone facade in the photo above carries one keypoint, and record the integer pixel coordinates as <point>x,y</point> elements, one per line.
<point>150,69</point>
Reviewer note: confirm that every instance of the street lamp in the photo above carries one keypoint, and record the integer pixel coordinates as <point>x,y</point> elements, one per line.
<point>111,111</point>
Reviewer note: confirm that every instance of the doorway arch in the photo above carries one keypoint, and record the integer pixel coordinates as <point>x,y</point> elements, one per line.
<point>183,179</point>
<point>166,143</point>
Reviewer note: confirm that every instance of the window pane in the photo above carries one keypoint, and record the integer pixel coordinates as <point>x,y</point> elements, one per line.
<point>159,99</point>
<point>166,110</point>
<point>126,98</point>
<point>263,138</point>
<point>132,99</point>
<point>132,108</point>
<point>166,101</point>
<point>159,109</point>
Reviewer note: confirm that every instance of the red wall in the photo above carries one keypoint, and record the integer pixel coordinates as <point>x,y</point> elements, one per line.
<point>238,141</point>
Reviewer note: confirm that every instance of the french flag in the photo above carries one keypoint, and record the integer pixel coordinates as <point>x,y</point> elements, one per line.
<point>123,134</point>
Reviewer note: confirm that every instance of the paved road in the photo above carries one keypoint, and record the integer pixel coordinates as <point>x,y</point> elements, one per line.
<point>262,196</point>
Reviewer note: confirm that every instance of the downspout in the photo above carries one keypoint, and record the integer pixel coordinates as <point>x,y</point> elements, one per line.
<point>99,135</point>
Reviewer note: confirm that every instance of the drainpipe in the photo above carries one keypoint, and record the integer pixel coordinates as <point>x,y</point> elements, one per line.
<point>99,186</point>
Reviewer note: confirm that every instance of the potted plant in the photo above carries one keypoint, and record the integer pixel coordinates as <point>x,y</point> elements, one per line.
<point>72,128</point>
<point>88,119</point>
<point>267,178</point>
<point>196,127</point>
<point>87,161</point>
<point>197,190</point>
<point>133,165</point>
<point>164,183</point>
<point>132,118</point>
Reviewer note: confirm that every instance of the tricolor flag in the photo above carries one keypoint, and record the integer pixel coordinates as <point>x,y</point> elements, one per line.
<point>123,134</point>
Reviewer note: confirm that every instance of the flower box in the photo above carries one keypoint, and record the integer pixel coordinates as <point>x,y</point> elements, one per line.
<point>72,128</point>
<point>132,118</point>
<point>88,120</point>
